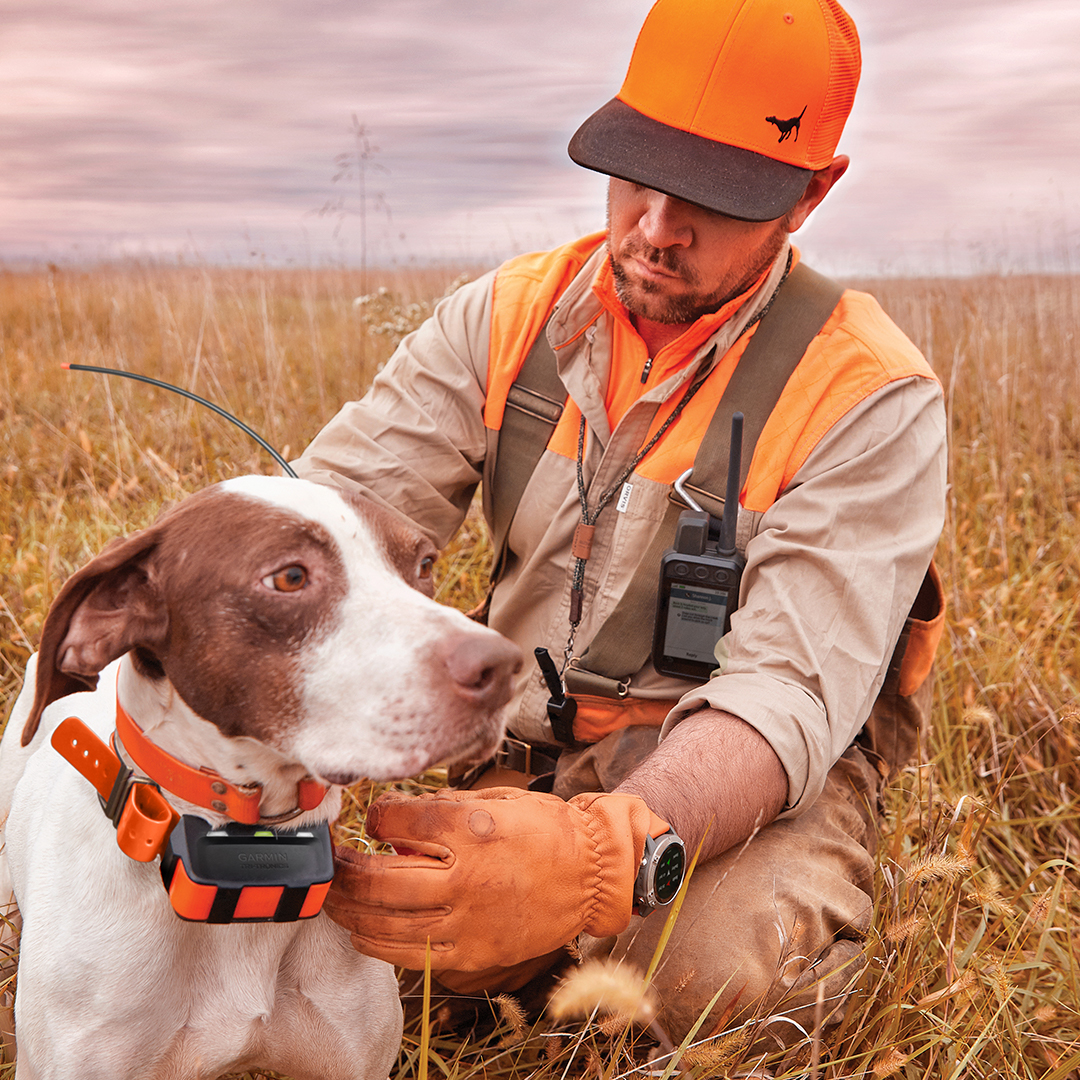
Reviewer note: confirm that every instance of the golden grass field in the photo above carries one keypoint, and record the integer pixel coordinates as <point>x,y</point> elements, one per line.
<point>975,955</point>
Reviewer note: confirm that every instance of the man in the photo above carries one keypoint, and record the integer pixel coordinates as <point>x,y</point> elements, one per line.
<point>719,145</point>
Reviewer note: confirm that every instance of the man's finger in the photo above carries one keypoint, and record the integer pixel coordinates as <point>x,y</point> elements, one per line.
<point>406,954</point>
<point>372,883</point>
<point>432,817</point>
<point>422,818</point>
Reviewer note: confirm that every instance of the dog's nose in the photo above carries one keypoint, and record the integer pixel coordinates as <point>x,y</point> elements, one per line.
<point>481,665</point>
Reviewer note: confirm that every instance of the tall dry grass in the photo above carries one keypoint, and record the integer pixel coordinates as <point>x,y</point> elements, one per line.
<point>975,954</point>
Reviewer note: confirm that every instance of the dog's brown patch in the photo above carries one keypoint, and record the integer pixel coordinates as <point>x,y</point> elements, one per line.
<point>234,640</point>
<point>404,545</point>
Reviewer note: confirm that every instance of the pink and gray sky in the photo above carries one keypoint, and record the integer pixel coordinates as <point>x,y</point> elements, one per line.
<point>210,129</point>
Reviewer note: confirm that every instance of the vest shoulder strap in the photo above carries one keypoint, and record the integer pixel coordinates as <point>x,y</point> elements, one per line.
<point>533,407</point>
<point>800,308</point>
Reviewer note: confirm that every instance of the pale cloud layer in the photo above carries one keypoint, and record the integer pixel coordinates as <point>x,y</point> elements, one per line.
<point>212,129</point>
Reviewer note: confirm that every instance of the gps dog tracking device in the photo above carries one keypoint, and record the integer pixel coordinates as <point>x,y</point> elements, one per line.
<point>699,582</point>
<point>246,873</point>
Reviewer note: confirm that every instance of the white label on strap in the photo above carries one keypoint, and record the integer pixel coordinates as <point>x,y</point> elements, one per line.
<point>624,498</point>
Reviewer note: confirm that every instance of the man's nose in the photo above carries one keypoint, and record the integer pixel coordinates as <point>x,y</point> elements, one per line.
<point>665,223</point>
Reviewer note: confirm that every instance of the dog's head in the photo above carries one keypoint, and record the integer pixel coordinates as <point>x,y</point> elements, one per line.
<point>292,613</point>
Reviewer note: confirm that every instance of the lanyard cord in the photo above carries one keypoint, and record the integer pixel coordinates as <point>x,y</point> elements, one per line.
<point>583,534</point>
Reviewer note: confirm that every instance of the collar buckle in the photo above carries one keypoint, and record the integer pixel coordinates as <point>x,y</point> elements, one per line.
<point>141,815</point>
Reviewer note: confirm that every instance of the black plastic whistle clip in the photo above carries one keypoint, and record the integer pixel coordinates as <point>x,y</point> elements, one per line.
<point>560,708</point>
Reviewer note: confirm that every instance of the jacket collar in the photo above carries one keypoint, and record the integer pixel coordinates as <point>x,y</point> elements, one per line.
<point>582,327</point>
<point>591,294</point>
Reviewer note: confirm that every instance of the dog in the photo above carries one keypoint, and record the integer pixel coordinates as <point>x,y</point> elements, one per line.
<point>278,633</point>
<point>786,127</point>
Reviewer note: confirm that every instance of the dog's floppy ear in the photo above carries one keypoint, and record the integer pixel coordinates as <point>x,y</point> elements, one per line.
<point>104,610</point>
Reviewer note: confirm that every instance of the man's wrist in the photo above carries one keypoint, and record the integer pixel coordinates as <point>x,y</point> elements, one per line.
<point>714,778</point>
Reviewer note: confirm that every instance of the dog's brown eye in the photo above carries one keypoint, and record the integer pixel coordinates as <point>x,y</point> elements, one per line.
<point>427,564</point>
<point>288,579</point>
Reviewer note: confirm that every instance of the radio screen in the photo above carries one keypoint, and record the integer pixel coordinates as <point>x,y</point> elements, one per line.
<point>695,622</point>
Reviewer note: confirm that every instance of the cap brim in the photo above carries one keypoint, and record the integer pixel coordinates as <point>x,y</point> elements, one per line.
<point>624,143</point>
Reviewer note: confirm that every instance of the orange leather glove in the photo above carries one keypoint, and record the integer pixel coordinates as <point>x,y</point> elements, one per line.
<point>493,877</point>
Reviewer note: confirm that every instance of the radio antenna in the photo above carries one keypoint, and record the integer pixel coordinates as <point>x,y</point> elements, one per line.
<point>729,521</point>
<point>286,467</point>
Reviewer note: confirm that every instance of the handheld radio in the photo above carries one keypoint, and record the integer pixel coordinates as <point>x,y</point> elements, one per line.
<point>699,581</point>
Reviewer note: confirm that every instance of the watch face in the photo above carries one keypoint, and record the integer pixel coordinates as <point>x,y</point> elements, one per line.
<point>669,873</point>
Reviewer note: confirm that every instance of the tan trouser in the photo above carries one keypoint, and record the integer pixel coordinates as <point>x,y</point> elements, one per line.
<point>768,921</point>
<point>772,921</point>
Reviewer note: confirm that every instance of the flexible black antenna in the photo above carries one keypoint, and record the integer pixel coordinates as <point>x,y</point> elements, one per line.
<point>194,397</point>
<point>731,497</point>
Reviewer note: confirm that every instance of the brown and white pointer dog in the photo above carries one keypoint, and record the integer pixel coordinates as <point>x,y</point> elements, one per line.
<point>271,630</point>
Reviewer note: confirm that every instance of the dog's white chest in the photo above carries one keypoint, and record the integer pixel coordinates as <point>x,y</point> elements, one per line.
<point>106,961</point>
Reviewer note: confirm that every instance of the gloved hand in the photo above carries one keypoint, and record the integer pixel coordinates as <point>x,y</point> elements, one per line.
<point>493,877</point>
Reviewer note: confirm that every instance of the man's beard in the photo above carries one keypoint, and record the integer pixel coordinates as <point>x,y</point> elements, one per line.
<point>649,298</point>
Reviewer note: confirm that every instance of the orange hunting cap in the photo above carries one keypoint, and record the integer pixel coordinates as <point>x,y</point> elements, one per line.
<point>729,104</point>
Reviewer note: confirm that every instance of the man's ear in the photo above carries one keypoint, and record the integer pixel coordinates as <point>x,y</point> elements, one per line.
<point>104,610</point>
<point>820,185</point>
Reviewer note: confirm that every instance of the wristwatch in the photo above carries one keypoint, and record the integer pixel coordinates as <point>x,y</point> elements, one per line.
<point>663,866</point>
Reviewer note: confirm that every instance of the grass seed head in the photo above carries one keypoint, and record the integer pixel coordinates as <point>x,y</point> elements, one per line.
<point>948,868</point>
<point>888,1064</point>
<point>614,1025</point>
<point>553,1047</point>
<point>985,890</point>
<point>511,1014</point>
<point>901,929</point>
<point>979,716</point>
<point>606,987</point>
<point>1040,909</point>
<point>717,1054</point>
<point>999,980</point>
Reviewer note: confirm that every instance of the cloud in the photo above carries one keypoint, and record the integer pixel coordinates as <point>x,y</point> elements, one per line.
<point>217,125</point>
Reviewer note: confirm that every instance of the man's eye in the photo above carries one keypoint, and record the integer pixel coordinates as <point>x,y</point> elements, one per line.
<point>288,579</point>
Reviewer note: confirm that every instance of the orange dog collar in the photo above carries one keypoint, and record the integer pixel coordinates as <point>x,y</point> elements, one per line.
<point>204,787</point>
<point>232,873</point>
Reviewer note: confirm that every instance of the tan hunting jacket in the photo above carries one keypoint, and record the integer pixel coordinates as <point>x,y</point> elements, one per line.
<point>840,515</point>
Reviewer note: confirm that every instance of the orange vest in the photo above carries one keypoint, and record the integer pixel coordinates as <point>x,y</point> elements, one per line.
<point>830,380</point>
<point>836,373</point>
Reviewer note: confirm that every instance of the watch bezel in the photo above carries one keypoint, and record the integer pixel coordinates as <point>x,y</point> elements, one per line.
<point>645,898</point>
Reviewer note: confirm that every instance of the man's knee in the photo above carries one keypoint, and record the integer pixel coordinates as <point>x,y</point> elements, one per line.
<point>763,925</point>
